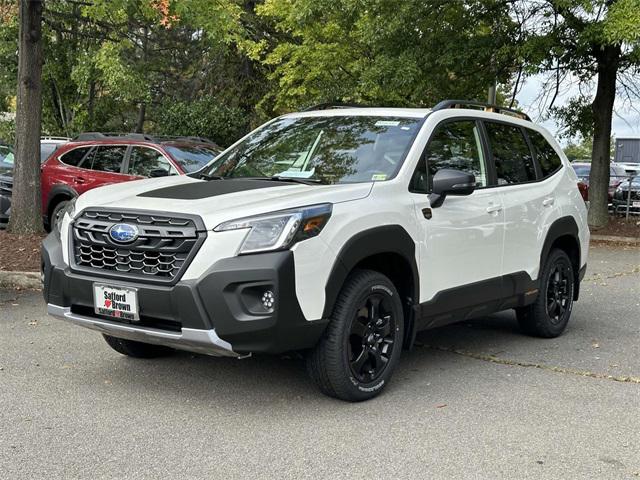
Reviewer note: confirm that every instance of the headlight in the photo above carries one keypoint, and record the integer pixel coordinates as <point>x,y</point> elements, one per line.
<point>279,230</point>
<point>69,209</point>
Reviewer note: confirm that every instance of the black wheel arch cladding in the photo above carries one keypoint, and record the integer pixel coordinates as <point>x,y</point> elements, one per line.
<point>561,229</point>
<point>386,239</point>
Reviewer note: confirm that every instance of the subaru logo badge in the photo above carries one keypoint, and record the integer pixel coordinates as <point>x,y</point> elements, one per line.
<point>123,233</point>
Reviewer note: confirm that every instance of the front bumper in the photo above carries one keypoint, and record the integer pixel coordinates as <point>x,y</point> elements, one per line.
<point>216,314</point>
<point>195,340</point>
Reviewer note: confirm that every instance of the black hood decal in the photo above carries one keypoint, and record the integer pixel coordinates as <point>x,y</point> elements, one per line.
<point>211,188</point>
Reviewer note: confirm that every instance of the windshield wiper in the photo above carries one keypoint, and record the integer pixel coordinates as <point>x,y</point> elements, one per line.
<point>304,181</point>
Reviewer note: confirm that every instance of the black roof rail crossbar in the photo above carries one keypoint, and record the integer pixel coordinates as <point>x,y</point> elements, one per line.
<point>88,136</point>
<point>102,135</point>
<point>330,105</point>
<point>443,105</point>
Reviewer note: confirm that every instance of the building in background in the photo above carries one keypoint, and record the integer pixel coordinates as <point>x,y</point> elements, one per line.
<point>628,153</point>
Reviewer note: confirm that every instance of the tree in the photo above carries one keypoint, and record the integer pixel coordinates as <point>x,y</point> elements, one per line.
<point>26,215</point>
<point>588,43</point>
<point>384,52</point>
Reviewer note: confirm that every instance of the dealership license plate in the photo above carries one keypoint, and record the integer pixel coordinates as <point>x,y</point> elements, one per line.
<point>117,302</point>
<point>636,204</point>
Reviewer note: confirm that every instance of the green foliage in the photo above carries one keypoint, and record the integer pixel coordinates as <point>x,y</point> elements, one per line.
<point>7,131</point>
<point>206,117</point>
<point>409,53</point>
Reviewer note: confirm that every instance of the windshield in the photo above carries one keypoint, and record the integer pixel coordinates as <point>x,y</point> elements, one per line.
<point>6,156</point>
<point>582,170</point>
<point>192,157</point>
<point>332,149</point>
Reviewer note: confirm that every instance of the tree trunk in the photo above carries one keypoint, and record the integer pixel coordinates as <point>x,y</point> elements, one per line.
<point>26,217</point>
<point>607,58</point>
<point>141,114</point>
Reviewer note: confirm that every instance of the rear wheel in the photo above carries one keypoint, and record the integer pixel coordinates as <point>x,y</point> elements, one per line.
<point>548,316</point>
<point>362,344</point>
<point>135,349</point>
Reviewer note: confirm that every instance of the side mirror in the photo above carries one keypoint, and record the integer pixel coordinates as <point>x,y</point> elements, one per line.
<point>451,182</point>
<point>158,172</point>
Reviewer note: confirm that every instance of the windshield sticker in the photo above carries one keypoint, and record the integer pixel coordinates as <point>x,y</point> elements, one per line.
<point>297,173</point>
<point>387,123</point>
<point>378,177</point>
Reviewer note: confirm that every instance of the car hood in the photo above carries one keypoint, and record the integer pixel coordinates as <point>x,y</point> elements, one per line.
<point>217,201</point>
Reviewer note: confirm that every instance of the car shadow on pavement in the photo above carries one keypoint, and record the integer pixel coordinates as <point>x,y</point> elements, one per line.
<point>261,379</point>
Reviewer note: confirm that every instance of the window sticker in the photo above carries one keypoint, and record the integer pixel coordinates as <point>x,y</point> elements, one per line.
<point>387,123</point>
<point>297,173</point>
<point>378,177</point>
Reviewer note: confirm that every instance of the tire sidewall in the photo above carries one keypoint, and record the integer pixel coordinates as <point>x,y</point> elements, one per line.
<point>556,257</point>
<point>55,212</point>
<point>385,288</point>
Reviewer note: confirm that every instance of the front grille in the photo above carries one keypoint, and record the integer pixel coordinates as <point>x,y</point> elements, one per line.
<point>164,246</point>
<point>635,194</point>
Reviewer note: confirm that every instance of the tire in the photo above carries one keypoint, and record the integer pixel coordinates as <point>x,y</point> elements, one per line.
<point>362,343</point>
<point>548,316</point>
<point>135,349</point>
<point>55,214</point>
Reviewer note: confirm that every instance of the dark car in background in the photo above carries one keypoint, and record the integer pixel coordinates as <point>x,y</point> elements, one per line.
<point>621,198</point>
<point>6,182</point>
<point>95,159</point>
<point>617,175</point>
<point>48,145</point>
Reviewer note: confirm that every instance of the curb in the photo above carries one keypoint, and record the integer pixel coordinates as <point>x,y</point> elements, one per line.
<point>614,239</point>
<point>20,280</point>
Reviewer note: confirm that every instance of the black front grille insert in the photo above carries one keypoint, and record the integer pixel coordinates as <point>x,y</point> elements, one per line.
<point>164,247</point>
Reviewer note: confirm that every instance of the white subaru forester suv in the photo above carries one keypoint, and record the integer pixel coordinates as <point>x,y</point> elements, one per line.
<point>340,232</point>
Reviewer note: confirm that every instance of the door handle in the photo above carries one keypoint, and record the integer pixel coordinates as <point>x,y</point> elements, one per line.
<point>78,180</point>
<point>494,208</point>
<point>547,202</point>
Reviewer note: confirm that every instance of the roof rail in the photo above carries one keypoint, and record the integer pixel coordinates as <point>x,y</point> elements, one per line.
<point>330,105</point>
<point>143,137</point>
<point>102,135</point>
<point>487,107</point>
<point>53,137</point>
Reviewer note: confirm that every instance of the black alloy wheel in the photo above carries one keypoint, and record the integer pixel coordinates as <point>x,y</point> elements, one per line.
<point>372,338</point>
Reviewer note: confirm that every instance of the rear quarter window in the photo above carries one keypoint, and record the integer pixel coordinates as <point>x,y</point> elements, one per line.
<point>74,157</point>
<point>511,154</point>
<point>544,153</point>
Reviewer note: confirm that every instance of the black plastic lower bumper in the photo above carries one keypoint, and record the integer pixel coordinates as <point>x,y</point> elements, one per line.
<point>226,298</point>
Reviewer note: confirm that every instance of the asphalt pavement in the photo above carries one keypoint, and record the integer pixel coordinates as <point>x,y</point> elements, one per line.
<point>472,401</point>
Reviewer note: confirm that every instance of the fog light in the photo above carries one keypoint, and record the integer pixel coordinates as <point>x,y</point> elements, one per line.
<point>268,299</point>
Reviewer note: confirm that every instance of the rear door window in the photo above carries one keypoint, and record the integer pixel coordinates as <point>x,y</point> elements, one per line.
<point>108,158</point>
<point>546,156</point>
<point>74,157</point>
<point>147,162</point>
<point>511,154</point>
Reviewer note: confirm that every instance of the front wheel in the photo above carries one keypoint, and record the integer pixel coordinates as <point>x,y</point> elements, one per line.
<point>362,344</point>
<point>548,316</point>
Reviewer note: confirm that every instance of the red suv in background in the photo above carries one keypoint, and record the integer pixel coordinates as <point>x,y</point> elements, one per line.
<point>95,159</point>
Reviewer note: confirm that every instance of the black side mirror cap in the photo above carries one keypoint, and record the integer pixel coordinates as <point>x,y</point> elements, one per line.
<point>451,182</point>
